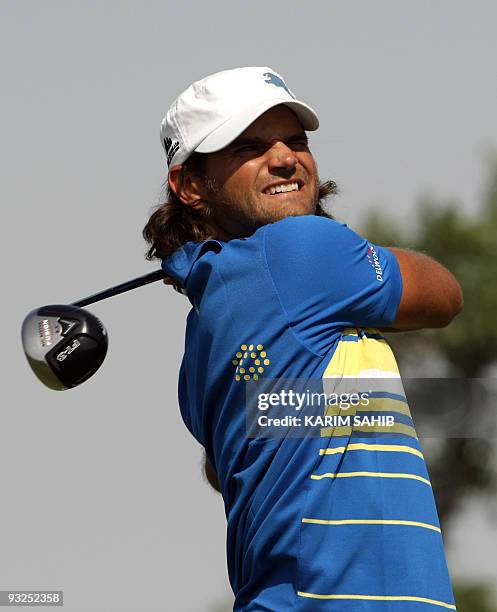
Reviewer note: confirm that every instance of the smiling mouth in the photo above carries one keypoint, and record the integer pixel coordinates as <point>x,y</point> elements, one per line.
<point>283,188</point>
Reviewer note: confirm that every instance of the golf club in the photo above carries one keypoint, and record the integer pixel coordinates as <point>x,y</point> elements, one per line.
<point>66,344</point>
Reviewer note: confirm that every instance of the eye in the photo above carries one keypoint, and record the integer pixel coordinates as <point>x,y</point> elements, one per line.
<point>248,148</point>
<point>299,144</point>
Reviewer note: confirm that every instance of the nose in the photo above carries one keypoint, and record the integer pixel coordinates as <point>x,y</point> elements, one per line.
<point>281,157</point>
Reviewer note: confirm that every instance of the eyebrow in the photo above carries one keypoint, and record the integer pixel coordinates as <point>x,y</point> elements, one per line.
<point>255,140</point>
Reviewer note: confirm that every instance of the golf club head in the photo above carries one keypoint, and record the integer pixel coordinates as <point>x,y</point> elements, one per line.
<point>64,344</point>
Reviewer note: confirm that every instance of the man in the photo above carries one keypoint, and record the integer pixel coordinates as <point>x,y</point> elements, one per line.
<point>345,520</point>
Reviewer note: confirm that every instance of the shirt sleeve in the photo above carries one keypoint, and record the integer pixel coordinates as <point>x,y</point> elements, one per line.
<point>328,277</point>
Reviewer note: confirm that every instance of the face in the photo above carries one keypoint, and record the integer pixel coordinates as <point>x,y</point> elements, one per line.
<point>266,174</point>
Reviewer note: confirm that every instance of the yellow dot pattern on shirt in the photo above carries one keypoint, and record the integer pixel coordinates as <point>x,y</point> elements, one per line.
<point>250,361</point>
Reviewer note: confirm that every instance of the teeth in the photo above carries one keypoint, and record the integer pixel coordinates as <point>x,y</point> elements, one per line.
<point>283,188</point>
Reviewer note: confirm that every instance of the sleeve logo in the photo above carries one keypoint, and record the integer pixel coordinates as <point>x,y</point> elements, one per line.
<point>375,263</point>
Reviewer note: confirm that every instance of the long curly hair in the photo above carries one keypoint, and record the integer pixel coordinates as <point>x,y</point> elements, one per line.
<point>172,223</point>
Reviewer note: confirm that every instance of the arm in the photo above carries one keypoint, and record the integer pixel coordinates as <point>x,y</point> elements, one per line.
<point>211,475</point>
<point>431,296</point>
<point>329,278</point>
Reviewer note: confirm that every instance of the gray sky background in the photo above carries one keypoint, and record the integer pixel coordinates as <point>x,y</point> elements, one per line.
<point>102,493</point>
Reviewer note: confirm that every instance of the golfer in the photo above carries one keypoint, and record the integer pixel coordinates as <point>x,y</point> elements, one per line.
<point>341,521</point>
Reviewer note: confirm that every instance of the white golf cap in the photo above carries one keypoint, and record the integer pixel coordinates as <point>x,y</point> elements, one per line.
<point>214,111</point>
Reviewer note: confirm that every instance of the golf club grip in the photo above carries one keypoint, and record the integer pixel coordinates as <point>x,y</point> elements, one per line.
<point>127,286</point>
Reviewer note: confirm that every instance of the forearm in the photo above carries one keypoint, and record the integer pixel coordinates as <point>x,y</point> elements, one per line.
<point>431,295</point>
<point>211,475</point>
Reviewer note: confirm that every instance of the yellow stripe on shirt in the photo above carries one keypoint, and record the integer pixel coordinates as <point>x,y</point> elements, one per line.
<point>434,602</point>
<point>374,404</point>
<point>352,357</point>
<point>314,521</point>
<point>371,475</point>
<point>392,448</point>
<point>399,428</point>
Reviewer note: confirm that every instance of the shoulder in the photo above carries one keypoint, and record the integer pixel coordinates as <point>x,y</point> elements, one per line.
<point>306,225</point>
<point>308,233</point>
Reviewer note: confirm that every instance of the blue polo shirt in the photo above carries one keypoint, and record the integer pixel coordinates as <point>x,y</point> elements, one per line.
<point>340,522</point>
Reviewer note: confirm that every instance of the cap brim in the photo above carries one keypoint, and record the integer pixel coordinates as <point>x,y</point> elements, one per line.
<point>226,133</point>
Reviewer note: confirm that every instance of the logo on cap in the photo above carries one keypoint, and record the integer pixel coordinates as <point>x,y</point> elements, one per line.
<point>171,147</point>
<point>274,79</point>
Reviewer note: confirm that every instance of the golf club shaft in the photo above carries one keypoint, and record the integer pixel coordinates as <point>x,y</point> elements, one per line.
<point>127,286</point>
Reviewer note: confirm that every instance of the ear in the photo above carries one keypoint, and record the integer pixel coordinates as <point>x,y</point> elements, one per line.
<point>187,186</point>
